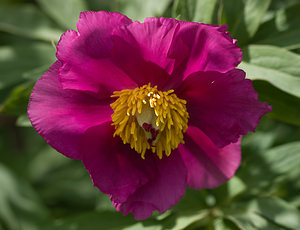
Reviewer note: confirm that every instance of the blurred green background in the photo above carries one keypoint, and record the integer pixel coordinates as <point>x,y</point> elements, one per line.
<point>41,189</point>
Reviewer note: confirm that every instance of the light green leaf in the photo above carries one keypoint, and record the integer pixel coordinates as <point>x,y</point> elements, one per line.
<point>23,121</point>
<point>139,10</point>
<point>282,30</point>
<point>26,20</point>
<point>244,17</point>
<point>194,10</point>
<point>19,59</point>
<point>281,80</point>
<point>273,57</point>
<point>65,13</point>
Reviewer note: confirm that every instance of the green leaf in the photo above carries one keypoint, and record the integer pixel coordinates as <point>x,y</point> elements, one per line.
<point>284,106</point>
<point>228,191</point>
<point>139,10</point>
<point>20,207</point>
<point>244,17</point>
<point>65,13</point>
<point>241,222</point>
<point>107,5</point>
<point>220,224</point>
<point>280,212</point>
<point>91,220</point>
<point>263,169</point>
<point>282,81</point>
<point>184,220</point>
<point>16,103</point>
<point>265,213</point>
<point>252,221</point>
<point>273,57</point>
<point>56,177</point>
<point>23,121</point>
<point>282,30</point>
<point>26,20</point>
<point>280,72</point>
<point>19,59</point>
<point>194,10</point>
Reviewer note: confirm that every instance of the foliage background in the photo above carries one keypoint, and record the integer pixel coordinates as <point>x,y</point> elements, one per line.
<point>41,189</point>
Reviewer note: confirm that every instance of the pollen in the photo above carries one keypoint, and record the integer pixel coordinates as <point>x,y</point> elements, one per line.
<point>149,119</point>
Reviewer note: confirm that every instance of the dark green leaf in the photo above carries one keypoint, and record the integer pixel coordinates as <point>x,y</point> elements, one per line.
<point>16,103</point>
<point>282,30</point>
<point>65,13</point>
<point>90,221</point>
<point>244,17</point>
<point>285,106</point>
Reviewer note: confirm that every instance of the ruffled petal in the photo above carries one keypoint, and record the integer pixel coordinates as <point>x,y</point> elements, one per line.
<point>200,47</point>
<point>141,49</point>
<point>115,168</point>
<point>87,65</point>
<point>161,193</point>
<point>62,116</point>
<point>223,106</point>
<point>207,165</point>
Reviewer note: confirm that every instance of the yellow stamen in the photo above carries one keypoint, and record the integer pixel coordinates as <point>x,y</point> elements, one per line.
<point>149,119</point>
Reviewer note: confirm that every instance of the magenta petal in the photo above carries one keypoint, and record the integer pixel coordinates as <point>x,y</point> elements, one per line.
<point>115,168</point>
<point>210,48</point>
<point>62,116</point>
<point>223,106</point>
<point>87,65</point>
<point>141,49</point>
<point>207,165</point>
<point>200,47</point>
<point>161,193</point>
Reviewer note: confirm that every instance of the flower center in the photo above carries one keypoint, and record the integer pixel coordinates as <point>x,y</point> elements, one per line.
<point>147,118</point>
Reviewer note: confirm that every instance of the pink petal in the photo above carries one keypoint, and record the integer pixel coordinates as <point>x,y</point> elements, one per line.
<point>223,106</point>
<point>62,116</point>
<point>115,168</point>
<point>87,65</point>
<point>161,193</point>
<point>207,165</point>
<point>202,48</point>
<point>141,49</point>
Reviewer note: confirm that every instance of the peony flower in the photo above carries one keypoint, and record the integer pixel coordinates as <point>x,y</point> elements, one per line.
<point>149,108</point>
